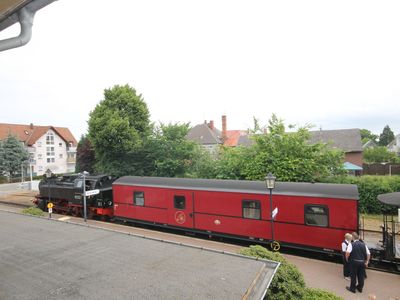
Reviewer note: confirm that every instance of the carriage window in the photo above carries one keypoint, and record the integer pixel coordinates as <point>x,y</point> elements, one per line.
<point>251,209</point>
<point>316,215</point>
<point>138,198</point>
<point>179,202</point>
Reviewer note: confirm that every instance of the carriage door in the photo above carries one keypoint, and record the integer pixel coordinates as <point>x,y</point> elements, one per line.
<point>181,212</point>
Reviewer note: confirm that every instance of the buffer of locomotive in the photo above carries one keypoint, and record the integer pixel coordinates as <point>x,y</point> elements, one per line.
<point>66,193</point>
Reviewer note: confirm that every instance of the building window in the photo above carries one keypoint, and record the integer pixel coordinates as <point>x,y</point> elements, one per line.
<point>316,215</point>
<point>50,138</point>
<point>60,156</point>
<point>50,159</point>
<point>50,151</point>
<point>138,198</point>
<point>60,144</point>
<point>179,202</point>
<point>39,144</point>
<point>39,156</point>
<point>251,209</point>
<point>40,168</point>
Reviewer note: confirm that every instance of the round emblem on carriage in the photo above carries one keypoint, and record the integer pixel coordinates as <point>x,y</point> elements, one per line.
<point>180,217</point>
<point>217,222</point>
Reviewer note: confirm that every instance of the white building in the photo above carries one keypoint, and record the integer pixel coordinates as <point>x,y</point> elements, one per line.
<point>50,147</point>
<point>394,146</point>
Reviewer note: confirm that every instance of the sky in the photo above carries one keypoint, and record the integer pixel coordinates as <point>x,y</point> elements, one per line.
<point>332,64</point>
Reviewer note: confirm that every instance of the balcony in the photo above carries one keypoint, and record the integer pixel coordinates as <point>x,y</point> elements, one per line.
<point>71,160</point>
<point>71,149</point>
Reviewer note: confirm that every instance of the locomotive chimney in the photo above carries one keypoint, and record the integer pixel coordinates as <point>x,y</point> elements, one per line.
<point>224,127</point>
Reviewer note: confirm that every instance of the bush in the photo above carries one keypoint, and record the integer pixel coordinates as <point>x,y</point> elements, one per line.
<point>288,282</point>
<point>318,294</point>
<point>34,211</point>
<point>369,187</point>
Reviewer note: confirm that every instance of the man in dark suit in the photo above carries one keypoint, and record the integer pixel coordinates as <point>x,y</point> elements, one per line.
<point>358,255</point>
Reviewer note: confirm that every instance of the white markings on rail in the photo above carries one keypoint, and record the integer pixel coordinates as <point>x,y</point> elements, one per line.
<point>64,218</point>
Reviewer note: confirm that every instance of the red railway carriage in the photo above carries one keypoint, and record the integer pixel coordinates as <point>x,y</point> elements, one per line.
<point>310,215</point>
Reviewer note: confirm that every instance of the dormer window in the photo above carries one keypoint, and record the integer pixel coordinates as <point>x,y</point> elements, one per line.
<point>50,138</point>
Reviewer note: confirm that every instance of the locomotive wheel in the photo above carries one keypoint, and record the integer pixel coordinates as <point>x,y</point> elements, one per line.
<point>275,246</point>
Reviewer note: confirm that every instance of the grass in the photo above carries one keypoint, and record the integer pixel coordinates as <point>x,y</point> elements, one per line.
<point>373,222</point>
<point>34,211</point>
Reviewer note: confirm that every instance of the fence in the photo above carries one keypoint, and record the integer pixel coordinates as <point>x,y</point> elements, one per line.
<point>381,169</point>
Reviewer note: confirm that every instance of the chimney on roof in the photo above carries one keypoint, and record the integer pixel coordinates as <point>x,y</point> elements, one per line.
<point>31,125</point>
<point>224,127</point>
<point>211,125</point>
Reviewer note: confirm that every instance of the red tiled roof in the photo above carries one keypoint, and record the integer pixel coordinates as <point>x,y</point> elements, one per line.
<point>232,137</point>
<point>30,134</point>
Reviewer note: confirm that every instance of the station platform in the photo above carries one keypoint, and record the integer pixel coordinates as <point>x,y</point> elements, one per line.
<point>47,259</point>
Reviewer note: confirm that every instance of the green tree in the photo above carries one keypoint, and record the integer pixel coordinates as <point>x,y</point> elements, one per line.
<point>13,155</point>
<point>172,154</point>
<point>367,135</point>
<point>378,155</point>
<point>386,136</point>
<point>118,126</point>
<point>85,158</point>
<point>289,155</point>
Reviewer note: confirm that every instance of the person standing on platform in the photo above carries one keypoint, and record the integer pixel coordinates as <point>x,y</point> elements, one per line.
<point>356,254</point>
<point>346,264</point>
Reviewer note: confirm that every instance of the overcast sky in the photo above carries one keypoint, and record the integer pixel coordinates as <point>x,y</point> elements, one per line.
<point>334,64</point>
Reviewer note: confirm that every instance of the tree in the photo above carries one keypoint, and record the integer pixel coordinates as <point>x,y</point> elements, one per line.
<point>13,155</point>
<point>386,136</point>
<point>289,155</point>
<point>85,158</point>
<point>367,135</point>
<point>117,128</point>
<point>379,155</point>
<point>172,154</point>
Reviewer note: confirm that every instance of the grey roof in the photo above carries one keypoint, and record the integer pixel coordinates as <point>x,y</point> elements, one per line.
<point>324,190</point>
<point>46,259</point>
<point>245,140</point>
<point>390,199</point>
<point>348,140</point>
<point>203,135</point>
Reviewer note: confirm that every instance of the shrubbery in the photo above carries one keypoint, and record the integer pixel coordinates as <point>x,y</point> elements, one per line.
<point>318,294</point>
<point>288,282</point>
<point>369,187</point>
<point>33,211</point>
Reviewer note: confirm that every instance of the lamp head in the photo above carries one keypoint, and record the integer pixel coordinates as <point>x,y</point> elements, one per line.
<point>270,181</point>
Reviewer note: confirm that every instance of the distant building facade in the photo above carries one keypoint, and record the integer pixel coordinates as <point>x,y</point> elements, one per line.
<point>49,147</point>
<point>347,140</point>
<point>394,146</point>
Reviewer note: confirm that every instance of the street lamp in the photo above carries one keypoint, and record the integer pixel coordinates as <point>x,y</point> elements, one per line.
<point>48,174</point>
<point>84,173</point>
<point>270,182</point>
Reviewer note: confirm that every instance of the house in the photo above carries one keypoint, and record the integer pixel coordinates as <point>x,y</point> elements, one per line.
<point>347,140</point>
<point>211,138</point>
<point>49,147</point>
<point>369,144</point>
<point>394,146</point>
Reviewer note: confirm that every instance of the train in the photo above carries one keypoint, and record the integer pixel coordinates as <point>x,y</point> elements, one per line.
<point>309,216</point>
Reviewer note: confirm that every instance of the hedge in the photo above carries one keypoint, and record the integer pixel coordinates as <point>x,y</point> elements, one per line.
<point>369,187</point>
<point>318,294</point>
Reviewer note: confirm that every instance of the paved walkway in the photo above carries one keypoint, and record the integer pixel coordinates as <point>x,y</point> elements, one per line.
<point>318,274</point>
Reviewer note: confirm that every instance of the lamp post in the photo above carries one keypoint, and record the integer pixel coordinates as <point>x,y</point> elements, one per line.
<point>48,176</point>
<point>84,173</point>
<point>270,182</point>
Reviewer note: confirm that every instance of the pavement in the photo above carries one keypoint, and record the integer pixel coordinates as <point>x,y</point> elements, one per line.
<point>317,273</point>
<point>49,259</point>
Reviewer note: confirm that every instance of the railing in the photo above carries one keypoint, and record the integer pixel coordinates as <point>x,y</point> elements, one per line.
<point>71,160</point>
<point>71,149</point>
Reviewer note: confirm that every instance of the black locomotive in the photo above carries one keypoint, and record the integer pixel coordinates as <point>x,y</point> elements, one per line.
<point>66,194</point>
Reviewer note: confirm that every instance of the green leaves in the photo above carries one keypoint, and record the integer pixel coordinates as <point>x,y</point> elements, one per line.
<point>379,154</point>
<point>118,126</point>
<point>12,155</point>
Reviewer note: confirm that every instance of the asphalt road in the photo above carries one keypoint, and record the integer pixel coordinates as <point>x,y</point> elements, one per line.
<point>318,274</point>
<point>46,259</point>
